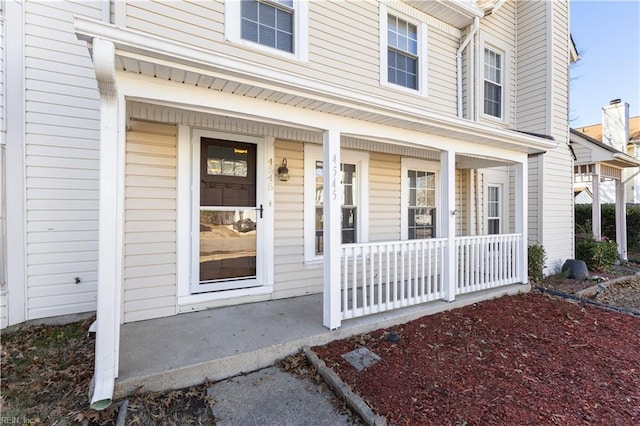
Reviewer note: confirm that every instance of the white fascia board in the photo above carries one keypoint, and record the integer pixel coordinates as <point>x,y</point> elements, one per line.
<point>140,46</point>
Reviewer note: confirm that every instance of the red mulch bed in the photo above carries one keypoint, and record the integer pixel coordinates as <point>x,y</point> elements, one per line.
<point>528,359</point>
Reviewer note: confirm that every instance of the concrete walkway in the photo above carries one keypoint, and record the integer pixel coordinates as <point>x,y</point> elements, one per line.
<point>273,397</point>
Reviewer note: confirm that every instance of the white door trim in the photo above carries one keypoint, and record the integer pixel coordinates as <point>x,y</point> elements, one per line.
<point>188,221</point>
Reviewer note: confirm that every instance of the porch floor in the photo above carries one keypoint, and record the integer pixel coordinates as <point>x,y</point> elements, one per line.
<point>187,349</point>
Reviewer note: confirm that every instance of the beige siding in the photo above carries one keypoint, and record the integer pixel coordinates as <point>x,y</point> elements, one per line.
<point>384,197</point>
<point>462,205</point>
<point>344,47</point>
<point>558,174</point>
<point>531,67</point>
<point>501,26</point>
<point>534,199</point>
<point>61,144</point>
<point>293,277</point>
<point>150,222</point>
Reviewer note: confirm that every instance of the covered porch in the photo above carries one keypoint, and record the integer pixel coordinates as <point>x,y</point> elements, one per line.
<point>601,167</point>
<point>174,352</point>
<point>149,177</point>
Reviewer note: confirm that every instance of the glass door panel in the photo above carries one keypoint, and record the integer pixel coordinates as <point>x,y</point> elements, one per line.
<point>227,244</point>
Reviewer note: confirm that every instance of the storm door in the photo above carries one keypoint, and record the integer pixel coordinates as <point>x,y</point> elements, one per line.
<point>229,215</point>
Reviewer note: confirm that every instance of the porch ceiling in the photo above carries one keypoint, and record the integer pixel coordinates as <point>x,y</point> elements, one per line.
<point>157,58</point>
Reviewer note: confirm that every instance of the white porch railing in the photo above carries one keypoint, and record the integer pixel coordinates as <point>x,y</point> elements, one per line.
<point>378,277</point>
<point>487,261</point>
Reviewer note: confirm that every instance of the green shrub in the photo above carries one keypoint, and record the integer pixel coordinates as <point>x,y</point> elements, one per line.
<point>608,212</point>
<point>598,255</point>
<point>537,256</point>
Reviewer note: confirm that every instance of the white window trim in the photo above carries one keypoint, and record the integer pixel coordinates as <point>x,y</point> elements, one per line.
<point>502,206</point>
<point>492,43</point>
<point>300,31</point>
<point>313,153</point>
<point>407,164</point>
<point>422,51</point>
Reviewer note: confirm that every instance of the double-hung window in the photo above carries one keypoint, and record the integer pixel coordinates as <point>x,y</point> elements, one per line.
<point>419,199</point>
<point>269,23</point>
<point>353,221</point>
<point>276,26</point>
<point>403,51</point>
<point>493,83</point>
<point>493,209</point>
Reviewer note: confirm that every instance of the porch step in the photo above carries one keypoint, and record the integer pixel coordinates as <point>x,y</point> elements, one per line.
<point>188,349</point>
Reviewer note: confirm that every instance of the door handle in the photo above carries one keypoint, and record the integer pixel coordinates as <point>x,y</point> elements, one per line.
<point>260,209</point>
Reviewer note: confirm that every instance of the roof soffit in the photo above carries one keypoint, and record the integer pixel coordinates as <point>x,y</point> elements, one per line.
<point>157,58</point>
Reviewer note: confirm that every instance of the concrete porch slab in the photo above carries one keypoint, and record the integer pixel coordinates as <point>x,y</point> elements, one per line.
<point>188,349</point>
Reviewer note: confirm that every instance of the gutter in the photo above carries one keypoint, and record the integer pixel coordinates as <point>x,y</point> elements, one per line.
<point>105,370</point>
<point>474,29</point>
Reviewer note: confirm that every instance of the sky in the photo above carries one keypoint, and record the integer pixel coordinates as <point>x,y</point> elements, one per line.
<point>607,36</point>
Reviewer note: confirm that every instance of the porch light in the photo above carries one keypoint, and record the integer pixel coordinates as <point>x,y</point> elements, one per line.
<point>283,172</point>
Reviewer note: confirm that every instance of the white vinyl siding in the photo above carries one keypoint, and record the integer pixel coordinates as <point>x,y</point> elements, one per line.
<point>344,46</point>
<point>61,144</point>
<point>150,222</point>
<point>3,249</point>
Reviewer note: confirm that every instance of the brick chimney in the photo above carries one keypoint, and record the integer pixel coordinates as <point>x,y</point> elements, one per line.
<point>615,125</point>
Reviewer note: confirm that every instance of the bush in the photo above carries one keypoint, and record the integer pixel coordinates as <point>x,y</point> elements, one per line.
<point>583,222</point>
<point>537,256</point>
<point>598,255</point>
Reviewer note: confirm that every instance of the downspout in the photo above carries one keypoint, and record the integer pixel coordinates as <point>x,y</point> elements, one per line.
<point>107,322</point>
<point>463,45</point>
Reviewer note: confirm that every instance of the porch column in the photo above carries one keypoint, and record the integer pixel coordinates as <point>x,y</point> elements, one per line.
<point>621,220</point>
<point>521,216</point>
<point>448,190</point>
<point>332,236</point>
<point>596,215</point>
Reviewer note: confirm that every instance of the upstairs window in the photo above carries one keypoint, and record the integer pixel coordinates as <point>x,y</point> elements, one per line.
<point>402,49</point>
<point>493,83</point>
<point>402,52</point>
<point>275,26</point>
<point>269,23</point>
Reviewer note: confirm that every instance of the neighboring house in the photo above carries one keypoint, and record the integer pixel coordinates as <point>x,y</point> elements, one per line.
<point>605,172</point>
<point>621,132</point>
<point>165,157</point>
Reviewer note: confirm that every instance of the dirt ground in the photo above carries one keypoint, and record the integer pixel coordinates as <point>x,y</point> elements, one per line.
<point>526,359</point>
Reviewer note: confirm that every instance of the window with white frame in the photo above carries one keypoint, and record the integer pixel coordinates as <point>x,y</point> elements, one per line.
<point>493,82</point>
<point>403,50</point>
<point>494,209</point>
<point>421,208</point>
<point>419,199</point>
<point>353,171</point>
<point>278,26</point>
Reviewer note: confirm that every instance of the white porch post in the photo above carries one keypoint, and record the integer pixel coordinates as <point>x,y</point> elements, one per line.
<point>522,209</point>
<point>107,321</point>
<point>596,215</point>
<point>332,236</point>
<point>621,220</point>
<point>448,188</point>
